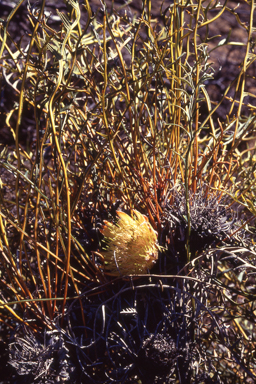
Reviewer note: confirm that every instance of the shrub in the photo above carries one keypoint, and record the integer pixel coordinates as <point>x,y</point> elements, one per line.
<point>123,119</point>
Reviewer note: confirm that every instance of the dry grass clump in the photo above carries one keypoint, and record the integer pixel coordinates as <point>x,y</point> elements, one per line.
<point>131,245</point>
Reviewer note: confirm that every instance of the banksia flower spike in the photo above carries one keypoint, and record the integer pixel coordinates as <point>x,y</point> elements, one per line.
<point>131,245</point>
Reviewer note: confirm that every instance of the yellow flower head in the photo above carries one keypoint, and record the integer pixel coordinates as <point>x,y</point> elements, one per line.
<point>131,245</point>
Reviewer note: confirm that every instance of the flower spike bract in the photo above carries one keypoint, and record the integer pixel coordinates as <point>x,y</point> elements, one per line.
<point>131,245</point>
